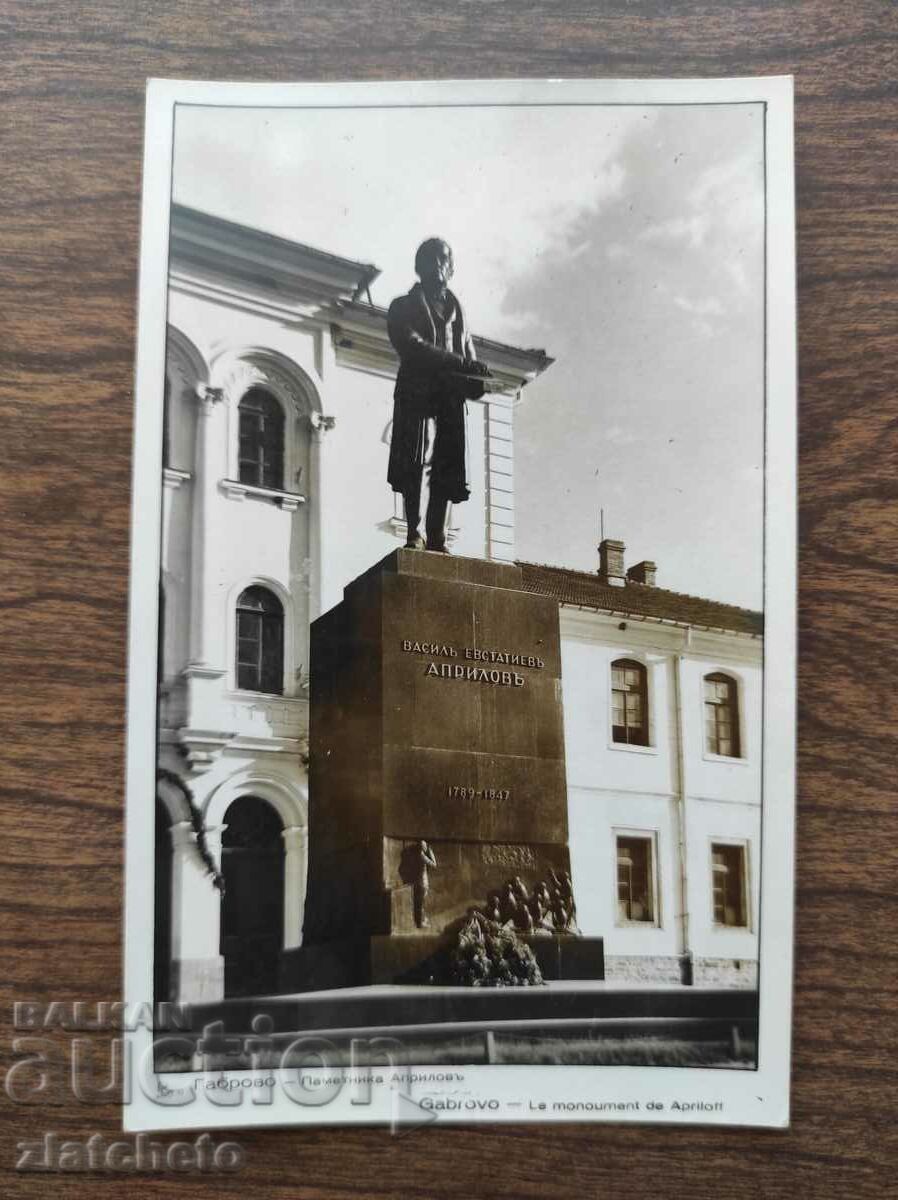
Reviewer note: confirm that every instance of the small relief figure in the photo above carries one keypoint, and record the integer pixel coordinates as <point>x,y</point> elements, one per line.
<point>567,892</point>
<point>510,906</point>
<point>540,911</point>
<point>525,919</point>
<point>556,887</point>
<point>559,914</point>
<point>520,889</point>
<point>477,926</point>
<point>494,909</point>
<point>424,858</point>
<point>571,925</point>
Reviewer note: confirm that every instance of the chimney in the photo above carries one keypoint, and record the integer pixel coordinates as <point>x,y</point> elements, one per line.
<point>643,572</point>
<point>611,562</point>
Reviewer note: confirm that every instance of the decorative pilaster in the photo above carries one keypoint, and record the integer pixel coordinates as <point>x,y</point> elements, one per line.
<point>320,426</point>
<point>499,429</point>
<point>209,460</point>
<point>296,839</point>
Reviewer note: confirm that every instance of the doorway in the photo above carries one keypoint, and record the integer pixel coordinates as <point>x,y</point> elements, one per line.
<point>252,915</point>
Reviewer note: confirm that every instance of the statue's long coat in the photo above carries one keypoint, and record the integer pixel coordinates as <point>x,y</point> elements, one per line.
<point>426,388</point>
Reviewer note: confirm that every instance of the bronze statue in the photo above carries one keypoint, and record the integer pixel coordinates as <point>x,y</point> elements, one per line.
<point>424,858</point>
<point>438,371</point>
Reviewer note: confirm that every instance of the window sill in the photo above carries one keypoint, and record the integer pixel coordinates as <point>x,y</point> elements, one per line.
<point>172,477</point>
<point>632,748</point>
<point>288,501</point>
<point>637,925</point>
<point>733,760</point>
<point>246,694</point>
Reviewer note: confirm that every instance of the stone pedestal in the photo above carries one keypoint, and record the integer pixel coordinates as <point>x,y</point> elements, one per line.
<point>436,715</point>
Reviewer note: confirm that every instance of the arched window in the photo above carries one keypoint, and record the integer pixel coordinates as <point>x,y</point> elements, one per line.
<point>260,642</point>
<point>722,716</point>
<point>261,440</point>
<point>629,703</point>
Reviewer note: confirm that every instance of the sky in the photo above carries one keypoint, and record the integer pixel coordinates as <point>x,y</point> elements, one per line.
<point>626,242</point>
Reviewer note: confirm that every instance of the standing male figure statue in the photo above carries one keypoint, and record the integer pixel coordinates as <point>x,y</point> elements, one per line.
<point>438,371</point>
<point>424,858</point>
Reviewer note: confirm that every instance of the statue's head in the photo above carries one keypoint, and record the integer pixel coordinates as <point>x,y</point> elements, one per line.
<point>434,265</point>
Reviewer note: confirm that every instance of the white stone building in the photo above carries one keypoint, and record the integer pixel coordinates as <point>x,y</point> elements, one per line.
<point>278,398</point>
<point>662,716</point>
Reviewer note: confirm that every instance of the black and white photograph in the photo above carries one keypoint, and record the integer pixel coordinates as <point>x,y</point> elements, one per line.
<point>462,664</point>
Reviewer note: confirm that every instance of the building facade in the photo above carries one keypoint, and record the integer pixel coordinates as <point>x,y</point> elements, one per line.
<point>278,402</point>
<point>663,719</point>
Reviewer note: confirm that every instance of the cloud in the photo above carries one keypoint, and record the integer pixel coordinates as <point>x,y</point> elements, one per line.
<point>711,307</point>
<point>653,308</point>
<point>500,184</point>
<point>626,241</point>
<point>692,229</point>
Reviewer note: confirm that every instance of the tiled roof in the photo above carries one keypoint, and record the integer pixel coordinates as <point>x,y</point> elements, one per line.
<point>637,599</point>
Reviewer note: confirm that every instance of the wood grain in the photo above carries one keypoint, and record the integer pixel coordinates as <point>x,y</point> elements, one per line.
<point>72,112</point>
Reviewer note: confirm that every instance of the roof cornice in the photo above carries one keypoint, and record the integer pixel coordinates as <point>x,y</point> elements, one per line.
<point>262,262</point>
<point>241,267</point>
<point>361,339</point>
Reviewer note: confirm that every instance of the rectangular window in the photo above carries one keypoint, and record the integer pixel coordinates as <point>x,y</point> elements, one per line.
<point>249,651</point>
<point>260,652</point>
<point>629,710</point>
<point>635,885</point>
<point>261,453</point>
<point>252,451</point>
<point>721,716</point>
<point>728,885</point>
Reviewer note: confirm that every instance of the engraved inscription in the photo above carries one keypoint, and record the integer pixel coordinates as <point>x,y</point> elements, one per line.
<point>470,793</point>
<point>473,654</point>
<point>478,674</point>
<point>500,855</point>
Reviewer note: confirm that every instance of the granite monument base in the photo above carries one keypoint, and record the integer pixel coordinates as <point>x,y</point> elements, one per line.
<point>437,775</point>
<point>423,959</point>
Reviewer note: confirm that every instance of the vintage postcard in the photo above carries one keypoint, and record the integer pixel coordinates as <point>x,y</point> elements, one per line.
<point>461,736</point>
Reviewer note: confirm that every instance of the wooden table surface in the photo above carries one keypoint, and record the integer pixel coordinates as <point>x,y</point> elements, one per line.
<point>71,120</point>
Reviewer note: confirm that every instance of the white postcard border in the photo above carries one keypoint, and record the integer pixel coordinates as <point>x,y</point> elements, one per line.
<point>753,1098</point>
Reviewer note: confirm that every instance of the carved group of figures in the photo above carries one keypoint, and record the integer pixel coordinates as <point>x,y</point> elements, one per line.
<point>548,908</point>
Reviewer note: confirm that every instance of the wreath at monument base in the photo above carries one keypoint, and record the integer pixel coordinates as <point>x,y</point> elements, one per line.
<point>488,954</point>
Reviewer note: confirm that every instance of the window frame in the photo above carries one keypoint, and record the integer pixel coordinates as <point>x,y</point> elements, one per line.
<point>273,618</point>
<point>648,746</point>
<point>651,837</point>
<point>719,676</point>
<point>744,846</point>
<point>277,482</point>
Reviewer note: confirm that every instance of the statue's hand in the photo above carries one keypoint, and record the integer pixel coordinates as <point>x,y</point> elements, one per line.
<point>473,390</point>
<point>474,367</point>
